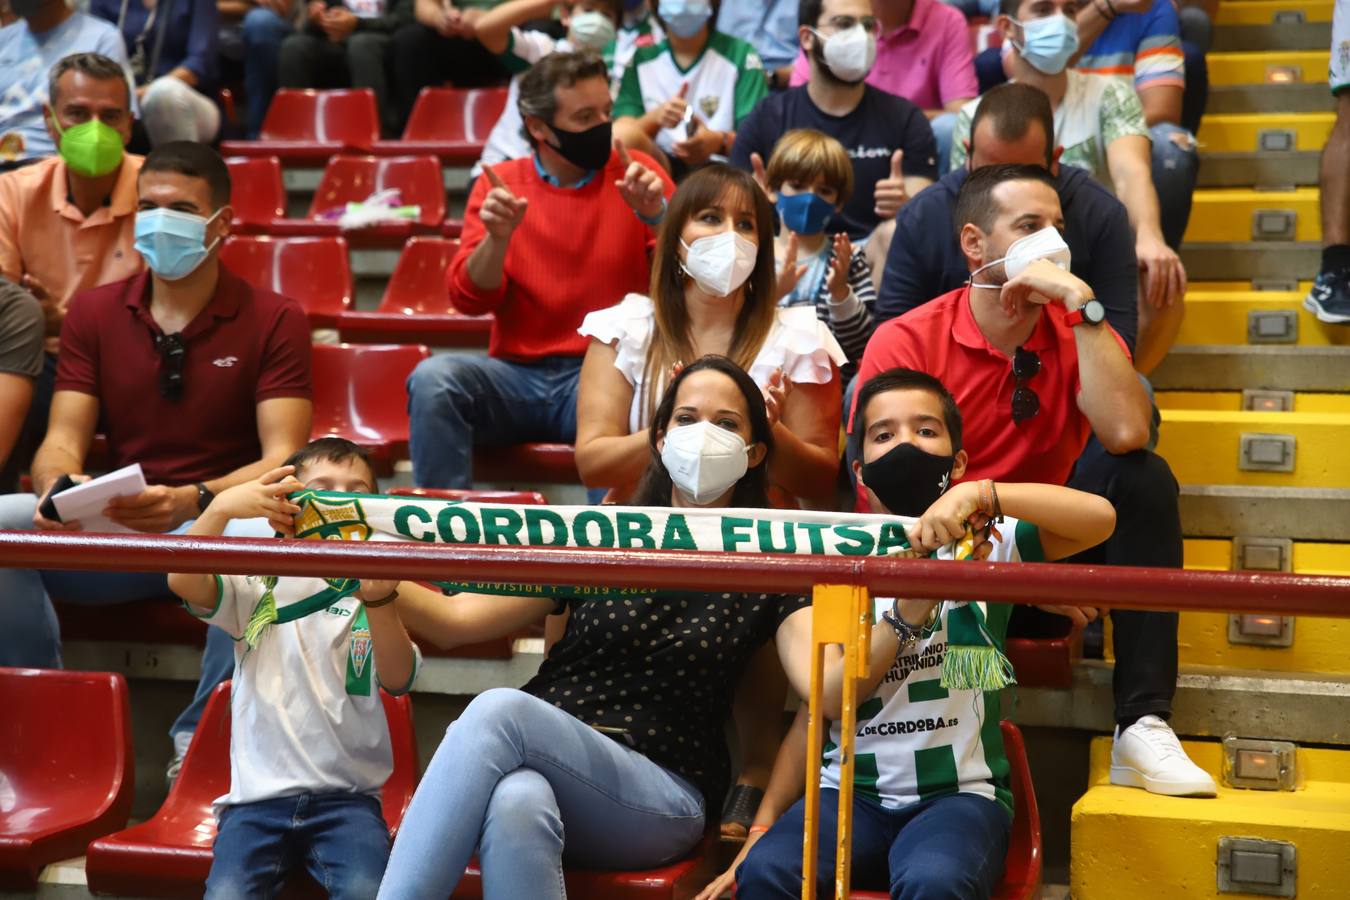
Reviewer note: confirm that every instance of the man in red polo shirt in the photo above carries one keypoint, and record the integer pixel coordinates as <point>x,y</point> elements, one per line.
<point>1048,394</point>
<point>189,371</point>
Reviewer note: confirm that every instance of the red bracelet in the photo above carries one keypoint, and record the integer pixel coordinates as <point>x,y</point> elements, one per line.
<point>756,829</point>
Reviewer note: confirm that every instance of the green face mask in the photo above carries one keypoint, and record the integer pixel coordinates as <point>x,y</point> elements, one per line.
<point>91,148</point>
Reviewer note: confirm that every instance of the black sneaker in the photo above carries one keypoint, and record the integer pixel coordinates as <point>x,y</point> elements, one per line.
<point>1329,298</point>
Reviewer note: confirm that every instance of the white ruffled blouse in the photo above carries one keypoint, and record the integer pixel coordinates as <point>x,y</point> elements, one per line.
<point>798,343</point>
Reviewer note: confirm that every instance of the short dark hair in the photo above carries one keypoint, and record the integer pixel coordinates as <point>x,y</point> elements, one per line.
<point>808,12</point>
<point>975,204</point>
<point>331,449</point>
<point>1009,8</point>
<point>537,96</point>
<point>1011,109</point>
<point>899,379</point>
<point>95,65</point>
<point>195,161</point>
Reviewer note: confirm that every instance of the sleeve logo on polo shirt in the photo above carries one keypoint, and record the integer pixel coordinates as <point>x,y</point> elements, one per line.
<point>225,362</point>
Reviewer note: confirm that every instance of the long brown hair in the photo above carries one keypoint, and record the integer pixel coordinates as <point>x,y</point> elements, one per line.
<point>671,342</point>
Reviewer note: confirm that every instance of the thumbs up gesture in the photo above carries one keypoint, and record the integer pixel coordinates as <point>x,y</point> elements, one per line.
<point>641,188</point>
<point>502,210</point>
<point>889,194</point>
<point>671,113</point>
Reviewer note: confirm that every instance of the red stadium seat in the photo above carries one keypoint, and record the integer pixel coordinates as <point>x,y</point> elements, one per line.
<point>1047,661</point>
<point>170,855</point>
<point>682,879</point>
<point>519,498</point>
<point>360,394</point>
<point>1022,865</point>
<point>308,126</point>
<point>546,463</point>
<point>416,305</point>
<point>258,196</point>
<point>352,179</point>
<point>67,766</point>
<point>310,270</point>
<point>450,124</point>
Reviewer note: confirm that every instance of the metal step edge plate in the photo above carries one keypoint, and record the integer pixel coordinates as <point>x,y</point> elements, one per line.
<point>1209,702</point>
<point>1301,36</point>
<point>1258,169</point>
<point>1248,260</point>
<point>1300,514</point>
<point>1231,367</point>
<point>1269,98</point>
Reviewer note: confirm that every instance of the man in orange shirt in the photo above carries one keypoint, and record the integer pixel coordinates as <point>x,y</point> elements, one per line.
<point>66,223</point>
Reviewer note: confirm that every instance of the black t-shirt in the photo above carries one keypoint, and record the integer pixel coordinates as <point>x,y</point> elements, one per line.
<point>665,668</point>
<point>881,124</point>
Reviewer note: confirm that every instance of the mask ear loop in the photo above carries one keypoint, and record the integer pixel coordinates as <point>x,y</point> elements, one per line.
<point>970,282</point>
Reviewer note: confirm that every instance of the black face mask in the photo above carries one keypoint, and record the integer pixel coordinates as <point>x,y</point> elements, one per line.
<point>587,149</point>
<point>908,480</point>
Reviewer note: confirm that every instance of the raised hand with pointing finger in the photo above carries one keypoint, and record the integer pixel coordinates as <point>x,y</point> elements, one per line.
<point>502,210</point>
<point>890,194</point>
<point>641,187</point>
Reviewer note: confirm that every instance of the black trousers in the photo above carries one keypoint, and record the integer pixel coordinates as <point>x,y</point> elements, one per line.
<point>422,57</point>
<point>1141,487</point>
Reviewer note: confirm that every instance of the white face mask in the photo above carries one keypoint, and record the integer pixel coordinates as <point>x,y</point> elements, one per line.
<point>849,53</point>
<point>1047,243</point>
<point>704,461</point>
<point>720,262</point>
<point>591,30</point>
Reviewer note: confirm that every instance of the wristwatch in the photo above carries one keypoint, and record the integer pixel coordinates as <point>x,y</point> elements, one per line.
<point>204,496</point>
<point>1092,312</point>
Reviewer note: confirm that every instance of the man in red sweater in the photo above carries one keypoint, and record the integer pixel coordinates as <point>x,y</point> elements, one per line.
<point>547,239</point>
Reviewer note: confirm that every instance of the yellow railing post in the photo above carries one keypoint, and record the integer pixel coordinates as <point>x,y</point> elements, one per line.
<point>840,614</point>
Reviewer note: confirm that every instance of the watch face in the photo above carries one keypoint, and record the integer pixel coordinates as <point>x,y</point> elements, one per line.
<point>1094,312</point>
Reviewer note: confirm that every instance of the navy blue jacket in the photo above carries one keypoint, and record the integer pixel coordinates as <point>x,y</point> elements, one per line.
<point>925,260</point>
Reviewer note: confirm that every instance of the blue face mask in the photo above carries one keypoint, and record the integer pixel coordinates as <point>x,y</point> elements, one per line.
<point>804,213</point>
<point>172,243</point>
<point>1048,42</point>
<point>684,18</point>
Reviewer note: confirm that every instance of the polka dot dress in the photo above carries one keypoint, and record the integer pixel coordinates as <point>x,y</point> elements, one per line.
<point>665,669</point>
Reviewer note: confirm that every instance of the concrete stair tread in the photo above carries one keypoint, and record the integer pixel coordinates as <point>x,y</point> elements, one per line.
<point>1252,260</point>
<point>1315,514</point>
<point>1219,367</point>
<point>1269,98</point>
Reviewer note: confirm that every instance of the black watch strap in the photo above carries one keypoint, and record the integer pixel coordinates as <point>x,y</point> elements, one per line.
<point>204,496</point>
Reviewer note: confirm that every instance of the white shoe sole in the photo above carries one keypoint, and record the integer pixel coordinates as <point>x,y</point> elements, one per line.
<point>1330,318</point>
<point>1128,776</point>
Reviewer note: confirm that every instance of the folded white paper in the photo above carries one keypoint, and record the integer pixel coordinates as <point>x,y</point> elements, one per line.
<point>84,503</point>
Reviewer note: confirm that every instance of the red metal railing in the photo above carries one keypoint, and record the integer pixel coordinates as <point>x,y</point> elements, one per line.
<point>1113,587</point>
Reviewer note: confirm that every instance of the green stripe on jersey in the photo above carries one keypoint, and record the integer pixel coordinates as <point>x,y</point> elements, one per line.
<point>920,691</point>
<point>865,776</point>
<point>936,771</point>
<point>871,708</point>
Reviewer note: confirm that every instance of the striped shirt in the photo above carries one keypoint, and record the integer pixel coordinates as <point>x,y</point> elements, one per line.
<point>854,325</point>
<point>1144,45</point>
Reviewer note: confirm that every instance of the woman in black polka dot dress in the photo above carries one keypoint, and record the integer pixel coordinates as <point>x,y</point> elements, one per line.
<point>608,757</point>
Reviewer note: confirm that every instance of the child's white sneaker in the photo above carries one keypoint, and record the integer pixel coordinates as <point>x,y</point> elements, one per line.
<point>1148,755</point>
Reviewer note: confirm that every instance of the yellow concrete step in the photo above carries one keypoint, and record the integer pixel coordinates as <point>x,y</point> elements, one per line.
<point>1271,67</point>
<point>1206,448</point>
<point>1231,401</point>
<point>1215,287</point>
<point>1265,12</point>
<point>1224,317</point>
<point>1128,844</point>
<point>1237,215</point>
<point>1242,133</point>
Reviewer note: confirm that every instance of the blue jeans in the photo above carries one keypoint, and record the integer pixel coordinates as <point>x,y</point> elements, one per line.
<point>943,126</point>
<point>263,32</point>
<point>512,776</point>
<point>341,839</point>
<point>457,402</point>
<point>1176,164</point>
<point>973,8</point>
<point>947,847</point>
<point>31,636</point>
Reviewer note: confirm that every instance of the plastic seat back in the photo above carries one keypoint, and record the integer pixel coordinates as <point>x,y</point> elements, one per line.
<point>310,270</point>
<point>353,179</point>
<point>257,195</point>
<point>66,767</point>
<point>360,392</point>
<point>346,117</point>
<point>450,114</point>
<point>417,286</point>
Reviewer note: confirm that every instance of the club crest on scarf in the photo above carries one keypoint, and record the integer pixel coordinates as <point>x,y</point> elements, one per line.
<point>330,519</point>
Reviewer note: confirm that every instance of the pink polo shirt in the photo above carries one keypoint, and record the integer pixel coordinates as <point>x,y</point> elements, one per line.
<point>927,61</point>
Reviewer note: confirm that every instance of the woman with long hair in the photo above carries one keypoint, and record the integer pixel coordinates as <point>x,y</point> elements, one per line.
<point>713,290</point>
<point>609,757</point>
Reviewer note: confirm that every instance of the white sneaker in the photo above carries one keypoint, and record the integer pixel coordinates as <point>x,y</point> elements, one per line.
<point>1148,755</point>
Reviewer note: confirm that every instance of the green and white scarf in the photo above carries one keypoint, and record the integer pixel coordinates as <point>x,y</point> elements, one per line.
<point>972,661</point>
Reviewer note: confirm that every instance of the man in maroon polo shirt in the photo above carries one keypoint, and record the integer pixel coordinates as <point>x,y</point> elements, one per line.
<point>201,378</point>
<point>1048,394</point>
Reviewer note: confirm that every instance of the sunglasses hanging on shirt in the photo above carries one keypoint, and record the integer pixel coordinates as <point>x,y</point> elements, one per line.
<point>172,351</point>
<point>1026,365</point>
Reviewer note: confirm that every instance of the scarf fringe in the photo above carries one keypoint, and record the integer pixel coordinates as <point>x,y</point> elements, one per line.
<point>976,669</point>
<point>264,614</point>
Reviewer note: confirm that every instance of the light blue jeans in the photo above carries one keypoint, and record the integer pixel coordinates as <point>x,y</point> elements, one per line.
<point>943,126</point>
<point>30,635</point>
<point>512,776</point>
<point>1176,165</point>
<point>263,32</point>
